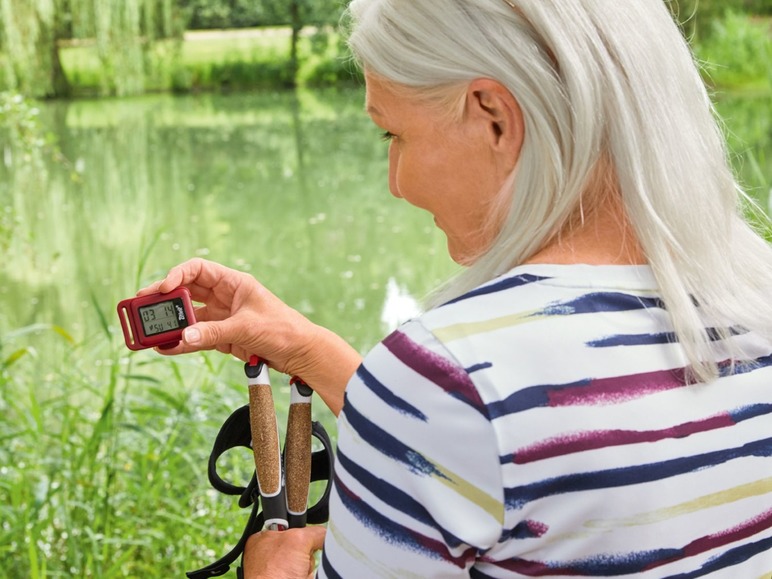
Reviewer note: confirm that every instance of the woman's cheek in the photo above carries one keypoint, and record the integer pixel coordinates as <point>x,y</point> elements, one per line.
<point>394,170</point>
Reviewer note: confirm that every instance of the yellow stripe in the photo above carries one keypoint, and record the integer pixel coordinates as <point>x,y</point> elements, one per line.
<point>753,489</point>
<point>487,503</point>
<point>378,569</point>
<point>458,331</point>
<point>476,495</point>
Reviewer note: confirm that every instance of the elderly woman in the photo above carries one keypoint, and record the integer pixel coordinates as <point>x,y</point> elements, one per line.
<point>592,395</point>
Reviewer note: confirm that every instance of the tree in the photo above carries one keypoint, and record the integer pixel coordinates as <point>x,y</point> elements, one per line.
<point>125,33</point>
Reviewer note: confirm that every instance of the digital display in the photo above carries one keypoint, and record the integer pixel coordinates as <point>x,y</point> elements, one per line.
<point>162,317</point>
<point>156,320</point>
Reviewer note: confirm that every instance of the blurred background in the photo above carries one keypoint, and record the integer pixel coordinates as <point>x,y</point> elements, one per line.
<point>136,134</point>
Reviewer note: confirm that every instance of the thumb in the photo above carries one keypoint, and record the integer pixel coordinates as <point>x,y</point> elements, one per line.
<point>316,536</point>
<point>209,335</point>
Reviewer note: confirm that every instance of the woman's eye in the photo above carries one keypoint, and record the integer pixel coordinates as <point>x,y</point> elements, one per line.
<point>387,136</point>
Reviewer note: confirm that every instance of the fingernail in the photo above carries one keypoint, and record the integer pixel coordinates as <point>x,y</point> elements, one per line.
<point>191,336</point>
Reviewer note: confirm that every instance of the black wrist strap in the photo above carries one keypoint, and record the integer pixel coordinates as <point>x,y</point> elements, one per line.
<point>236,432</point>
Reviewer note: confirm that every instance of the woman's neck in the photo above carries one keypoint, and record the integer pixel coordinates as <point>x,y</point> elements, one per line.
<point>604,236</point>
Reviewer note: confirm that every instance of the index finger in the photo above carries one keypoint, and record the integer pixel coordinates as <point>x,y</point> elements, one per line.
<point>197,270</point>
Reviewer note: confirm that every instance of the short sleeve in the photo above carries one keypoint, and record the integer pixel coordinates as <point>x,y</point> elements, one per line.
<point>418,489</point>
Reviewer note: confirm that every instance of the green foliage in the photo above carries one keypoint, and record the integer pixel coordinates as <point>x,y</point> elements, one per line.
<point>20,127</point>
<point>207,14</point>
<point>27,34</point>
<point>90,460</point>
<point>124,33</point>
<point>697,16</point>
<point>738,52</point>
<point>329,62</point>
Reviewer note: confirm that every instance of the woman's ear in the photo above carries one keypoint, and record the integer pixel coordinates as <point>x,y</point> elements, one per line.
<point>492,108</point>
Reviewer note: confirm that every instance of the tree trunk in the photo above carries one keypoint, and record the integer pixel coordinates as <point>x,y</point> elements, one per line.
<point>60,84</point>
<point>297,25</point>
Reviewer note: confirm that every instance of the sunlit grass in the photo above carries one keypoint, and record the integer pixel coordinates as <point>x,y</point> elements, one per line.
<point>221,60</point>
<point>104,473</point>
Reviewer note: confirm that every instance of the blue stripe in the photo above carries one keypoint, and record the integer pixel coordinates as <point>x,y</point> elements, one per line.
<point>478,367</point>
<point>393,533</point>
<point>475,573</point>
<point>634,340</point>
<point>733,557</point>
<point>744,367</point>
<point>328,569</point>
<point>655,339</point>
<point>387,396</point>
<point>382,441</point>
<point>394,497</point>
<point>748,412</point>
<point>517,497</point>
<point>602,302</point>
<point>529,398</point>
<point>505,284</point>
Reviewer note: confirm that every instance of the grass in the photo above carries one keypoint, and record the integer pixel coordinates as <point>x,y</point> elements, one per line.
<point>222,60</point>
<point>104,455</point>
<point>105,474</point>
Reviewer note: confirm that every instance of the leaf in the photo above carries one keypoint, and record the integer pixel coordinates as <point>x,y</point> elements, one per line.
<point>101,315</point>
<point>16,356</point>
<point>142,378</point>
<point>31,329</point>
<point>63,333</point>
<point>176,403</point>
<point>145,256</point>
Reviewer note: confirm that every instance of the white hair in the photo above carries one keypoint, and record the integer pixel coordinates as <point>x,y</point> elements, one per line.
<point>596,80</point>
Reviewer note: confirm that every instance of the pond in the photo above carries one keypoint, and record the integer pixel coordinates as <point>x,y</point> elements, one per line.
<point>289,187</point>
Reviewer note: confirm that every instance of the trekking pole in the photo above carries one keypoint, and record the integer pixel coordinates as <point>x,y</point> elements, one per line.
<point>297,452</point>
<point>265,445</point>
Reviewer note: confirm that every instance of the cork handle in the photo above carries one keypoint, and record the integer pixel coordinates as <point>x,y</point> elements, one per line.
<point>297,452</point>
<point>265,439</point>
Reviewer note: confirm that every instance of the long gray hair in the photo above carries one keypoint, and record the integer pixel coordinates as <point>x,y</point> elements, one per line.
<point>596,80</point>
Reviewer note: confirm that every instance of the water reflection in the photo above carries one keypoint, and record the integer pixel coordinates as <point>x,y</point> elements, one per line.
<point>291,187</point>
<point>399,305</point>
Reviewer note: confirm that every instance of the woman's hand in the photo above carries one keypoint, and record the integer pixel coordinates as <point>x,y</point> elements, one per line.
<point>282,554</point>
<point>243,318</point>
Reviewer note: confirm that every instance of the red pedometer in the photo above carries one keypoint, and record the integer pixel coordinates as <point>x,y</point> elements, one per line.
<point>156,320</point>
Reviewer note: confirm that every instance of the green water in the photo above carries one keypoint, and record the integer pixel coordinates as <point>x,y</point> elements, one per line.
<point>293,190</point>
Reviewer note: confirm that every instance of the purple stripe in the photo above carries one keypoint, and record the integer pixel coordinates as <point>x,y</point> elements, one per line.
<point>442,372</point>
<point>613,390</point>
<point>730,558</point>
<point>589,392</point>
<point>642,561</point>
<point>592,440</point>
<point>618,389</point>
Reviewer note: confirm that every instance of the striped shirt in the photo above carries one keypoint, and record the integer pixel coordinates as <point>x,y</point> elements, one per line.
<point>541,426</point>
